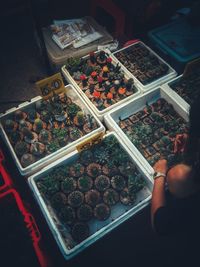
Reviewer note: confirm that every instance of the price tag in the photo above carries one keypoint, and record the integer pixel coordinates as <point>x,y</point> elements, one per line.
<point>191,67</point>
<point>51,85</point>
<point>86,144</point>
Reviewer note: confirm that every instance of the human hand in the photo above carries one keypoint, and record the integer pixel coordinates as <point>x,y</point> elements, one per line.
<point>180,143</point>
<point>160,166</point>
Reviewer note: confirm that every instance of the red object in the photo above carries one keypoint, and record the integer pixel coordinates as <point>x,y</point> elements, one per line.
<point>83,77</point>
<point>130,42</point>
<point>109,59</point>
<point>110,96</point>
<point>30,225</point>
<point>121,90</point>
<point>96,94</point>
<point>4,174</point>
<point>94,74</point>
<point>100,79</point>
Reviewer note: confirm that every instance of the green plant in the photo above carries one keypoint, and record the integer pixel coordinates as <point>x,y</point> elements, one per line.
<point>102,182</point>
<point>68,185</point>
<point>84,212</point>
<point>75,199</point>
<point>110,197</point>
<point>85,183</point>
<point>102,212</point>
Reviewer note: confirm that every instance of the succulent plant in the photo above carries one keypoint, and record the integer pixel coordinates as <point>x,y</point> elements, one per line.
<point>110,169</point>
<point>80,231</point>
<point>19,115</point>
<point>110,197</point>
<point>136,182</point>
<point>85,183</point>
<point>125,197</point>
<point>45,136</point>
<point>101,155</point>
<point>15,136</point>
<point>75,133</point>
<point>21,148</point>
<point>58,201</point>
<point>29,136</point>
<point>38,125</point>
<point>27,159</point>
<point>92,197</point>
<point>119,157</point>
<point>72,109</point>
<point>53,146</point>
<point>79,119</point>
<point>118,182</point>
<point>84,212</point>
<point>68,185</point>
<point>45,115</point>
<point>102,182</point>
<point>86,157</point>
<point>93,169</point>
<point>110,142</point>
<point>75,199</point>
<point>67,214</point>
<point>24,124</point>
<point>48,185</point>
<point>32,115</point>
<point>77,169</point>
<point>10,125</point>
<point>37,148</point>
<point>127,168</point>
<point>102,212</point>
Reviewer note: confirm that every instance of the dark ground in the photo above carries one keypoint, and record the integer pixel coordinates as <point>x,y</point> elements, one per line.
<point>131,244</point>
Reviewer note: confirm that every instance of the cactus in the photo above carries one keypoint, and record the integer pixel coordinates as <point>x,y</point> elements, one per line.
<point>102,212</point>
<point>110,197</point>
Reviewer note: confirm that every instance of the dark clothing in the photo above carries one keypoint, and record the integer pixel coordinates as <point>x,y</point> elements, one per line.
<point>179,215</point>
<point>180,218</point>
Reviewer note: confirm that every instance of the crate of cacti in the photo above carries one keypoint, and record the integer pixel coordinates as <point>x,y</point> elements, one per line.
<point>149,125</point>
<point>101,81</point>
<point>143,64</point>
<point>185,88</point>
<point>39,131</point>
<point>88,193</point>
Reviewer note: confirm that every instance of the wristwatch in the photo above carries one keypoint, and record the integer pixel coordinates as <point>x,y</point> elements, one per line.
<point>158,174</point>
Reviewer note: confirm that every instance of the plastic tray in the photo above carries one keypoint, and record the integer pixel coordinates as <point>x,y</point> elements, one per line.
<point>171,72</point>
<point>167,86</point>
<point>179,39</point>
<point>58,56</point>
<point>99,228</point>
<point>100,114</point>
<point>71,92</point>
<point>12,197</point>
<point>112,118</point>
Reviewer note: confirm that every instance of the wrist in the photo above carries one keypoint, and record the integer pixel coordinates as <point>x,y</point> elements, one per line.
<point>158,175</point>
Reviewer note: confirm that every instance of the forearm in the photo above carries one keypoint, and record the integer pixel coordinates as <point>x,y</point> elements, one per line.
<point>158,196</point>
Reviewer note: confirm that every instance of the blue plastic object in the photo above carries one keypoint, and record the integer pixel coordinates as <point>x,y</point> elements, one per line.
<point>178,39</point>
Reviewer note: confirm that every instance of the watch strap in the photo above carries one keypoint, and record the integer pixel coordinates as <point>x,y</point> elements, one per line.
<point>158,174</point>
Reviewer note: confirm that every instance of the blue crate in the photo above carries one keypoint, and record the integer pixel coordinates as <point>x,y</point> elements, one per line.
<point>178,39</point>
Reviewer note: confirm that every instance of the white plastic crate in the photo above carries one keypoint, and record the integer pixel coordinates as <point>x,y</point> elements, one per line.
<point>32,168</point>
<point>130,108</point>
<point>98,228</point>
<point>170,75</point>
<point>167,87</point>
<point>101,114</point>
